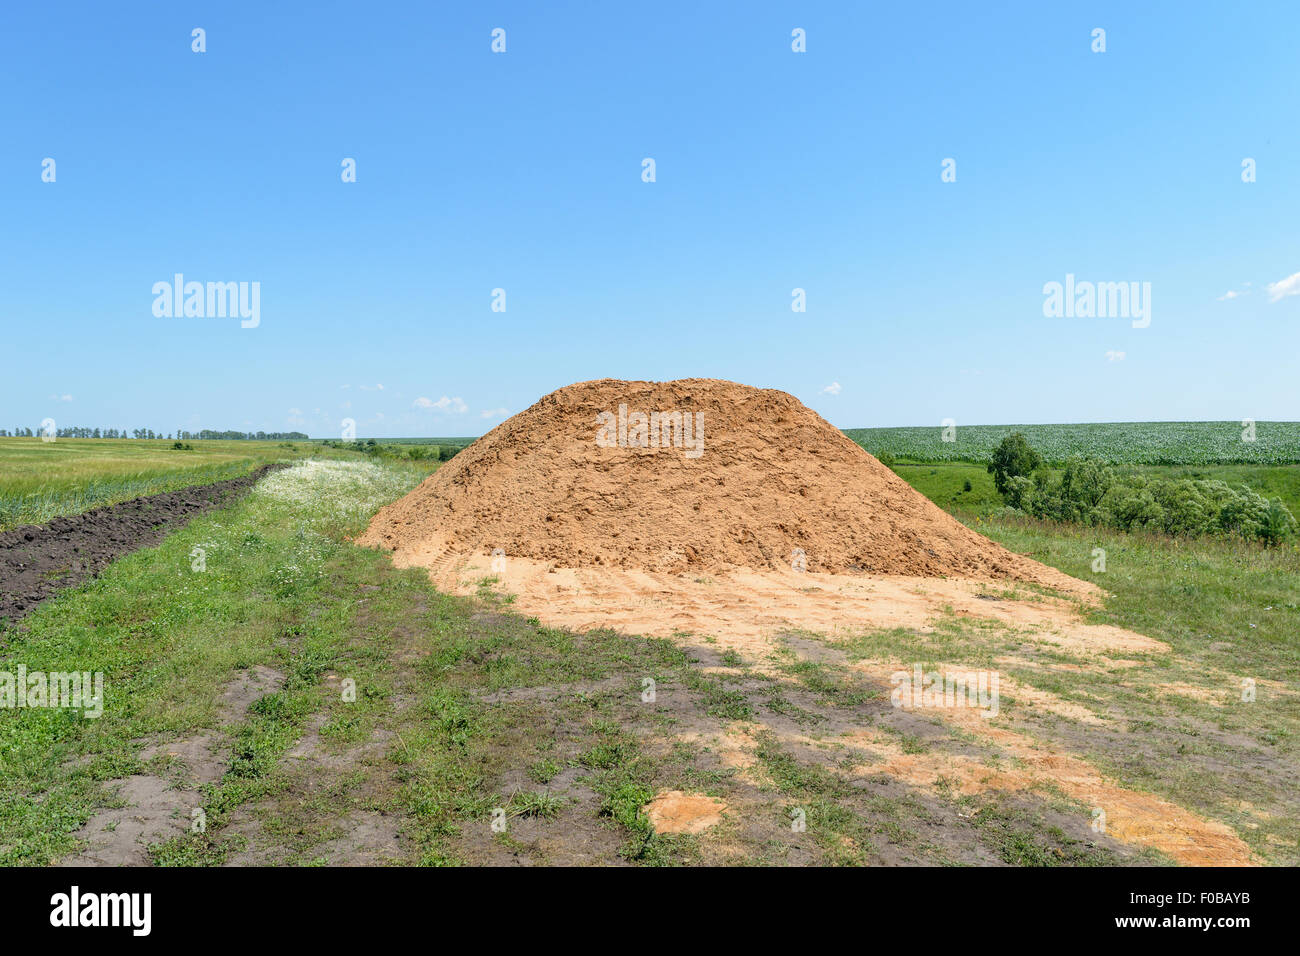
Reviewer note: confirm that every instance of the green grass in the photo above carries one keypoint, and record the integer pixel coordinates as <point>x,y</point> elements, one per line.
<point>167,640</point>
<point>1128,443</point>
<point>41,480</point>
<point>285,590</point>
<point>945,483</point>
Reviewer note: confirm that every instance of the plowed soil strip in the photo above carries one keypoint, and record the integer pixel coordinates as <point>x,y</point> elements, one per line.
<point>38,560</point>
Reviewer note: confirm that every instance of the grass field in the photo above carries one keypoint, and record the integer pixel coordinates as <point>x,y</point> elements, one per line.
<point>44,480</point>
<point>1127,443</point>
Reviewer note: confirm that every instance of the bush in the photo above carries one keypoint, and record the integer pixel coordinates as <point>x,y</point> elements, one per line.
<point>1012,458</point>
<point>1020,493</point>
<point>1084,483</point>
<point>1279,524</point>
<point>1089,492</point>
<point>1188,507</point>
<point>1133,508</point>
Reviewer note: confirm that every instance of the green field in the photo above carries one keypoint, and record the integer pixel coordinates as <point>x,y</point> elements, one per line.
<point>1122,443</point>
<point>42,480</point>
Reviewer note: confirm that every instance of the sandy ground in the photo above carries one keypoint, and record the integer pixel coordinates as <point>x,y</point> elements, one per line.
<point>748,611</point>
<point>745,609</point>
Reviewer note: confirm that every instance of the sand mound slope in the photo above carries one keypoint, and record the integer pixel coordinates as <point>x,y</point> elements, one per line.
<point>770,478</point>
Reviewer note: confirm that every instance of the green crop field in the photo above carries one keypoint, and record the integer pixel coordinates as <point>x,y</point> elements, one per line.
<point>1123,443</point>
<point>43,480</point>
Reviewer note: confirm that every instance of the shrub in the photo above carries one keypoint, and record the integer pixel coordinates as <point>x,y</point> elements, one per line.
<point>1020,494</point>
<point>1279,524</point>
<point>1012,458</point>
<point>1089,492</point>
<point>1132,508</point>
<point>1084,483</point>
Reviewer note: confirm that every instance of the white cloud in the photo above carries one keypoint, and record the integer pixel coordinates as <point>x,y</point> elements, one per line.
<point>61,398</point>
<point>1284,287</point>
<point>1113,356</point>
<point>443,404</point>
<point>494,413</point>
<point>1230,294</point>
<point>834,388</point>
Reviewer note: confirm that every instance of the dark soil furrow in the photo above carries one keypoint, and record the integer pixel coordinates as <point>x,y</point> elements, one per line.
<point>38,560</point>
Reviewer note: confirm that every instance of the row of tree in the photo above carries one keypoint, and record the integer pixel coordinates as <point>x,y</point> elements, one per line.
<point>80,432</point>
<point>245,436</point>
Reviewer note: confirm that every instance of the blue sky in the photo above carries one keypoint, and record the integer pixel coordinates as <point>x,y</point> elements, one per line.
<point>775,170</point>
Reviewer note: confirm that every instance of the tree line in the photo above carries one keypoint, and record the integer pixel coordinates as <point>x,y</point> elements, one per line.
<point>206,433</point>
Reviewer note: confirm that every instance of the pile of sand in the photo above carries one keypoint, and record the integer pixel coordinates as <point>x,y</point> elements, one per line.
<point>754,480</point>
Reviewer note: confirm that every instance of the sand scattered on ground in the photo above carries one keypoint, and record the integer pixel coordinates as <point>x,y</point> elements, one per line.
<point>746,610</point>
<point>1131,816</point>
<point>675,811</point>
<point>734,746</point>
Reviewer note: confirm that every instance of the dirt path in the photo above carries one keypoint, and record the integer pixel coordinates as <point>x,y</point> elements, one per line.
<point>154,807</point>
<point>38,560</point>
